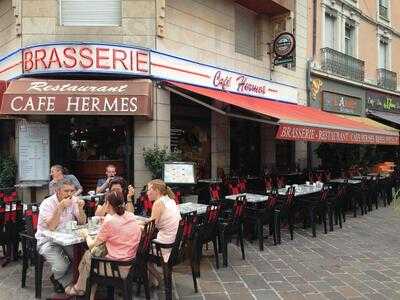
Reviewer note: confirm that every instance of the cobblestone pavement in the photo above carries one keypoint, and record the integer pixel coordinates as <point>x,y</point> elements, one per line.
<point>359,261</point>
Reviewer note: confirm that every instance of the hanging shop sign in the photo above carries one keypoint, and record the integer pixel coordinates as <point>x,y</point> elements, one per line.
<point>283,48</point>
<point>85,58</point>
<point>84,97</point>
<point>382,102</point>
<point>341,103</point>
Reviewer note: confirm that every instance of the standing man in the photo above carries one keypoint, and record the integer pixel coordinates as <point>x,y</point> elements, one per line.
<point>103,183</point>
<point>57,173</point>
<point>54,213</point>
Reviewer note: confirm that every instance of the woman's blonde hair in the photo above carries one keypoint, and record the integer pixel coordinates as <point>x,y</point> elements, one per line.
<point>160,186</point>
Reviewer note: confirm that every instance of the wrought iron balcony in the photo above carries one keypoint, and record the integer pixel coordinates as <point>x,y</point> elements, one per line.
<point>386,79</point>
<point>341,64</point>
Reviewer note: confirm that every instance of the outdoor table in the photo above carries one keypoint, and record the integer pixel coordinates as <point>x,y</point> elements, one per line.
<point>301,190</point>
<point>252,198</point>
<point>210,180</point>
<point>362,177</point>
<point>342,181</point>
<point>188,207</point>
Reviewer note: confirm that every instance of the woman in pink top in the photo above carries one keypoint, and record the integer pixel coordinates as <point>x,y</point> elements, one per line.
<point>121,235</point>
<point>167,216</point>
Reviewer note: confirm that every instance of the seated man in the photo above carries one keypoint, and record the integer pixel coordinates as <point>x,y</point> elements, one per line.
<point>57,173</point>
<point>103,183</point>
<point>118,184</point>
<point>54,213</point>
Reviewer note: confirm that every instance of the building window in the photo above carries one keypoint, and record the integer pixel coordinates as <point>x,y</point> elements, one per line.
<point>383,8</point>
<point>383,54</point>
<point>90,12</point>
<point>245,31</point>
<point>349,39</point>
<point>330,32</point>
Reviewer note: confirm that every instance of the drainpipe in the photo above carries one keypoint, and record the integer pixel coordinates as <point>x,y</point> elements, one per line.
<point>308,72</point>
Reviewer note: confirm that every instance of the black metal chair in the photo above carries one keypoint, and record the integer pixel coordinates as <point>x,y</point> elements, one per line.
<point>207,231</point>
<point>286,208</point>
<point>106,272</point>
<point>30,255</point>
<point>264,213</point>
<point>317,207</point>
<point>233,225</point>
<point>185,238</point>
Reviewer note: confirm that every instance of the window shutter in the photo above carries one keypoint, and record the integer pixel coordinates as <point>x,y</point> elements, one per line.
<point>383,54</point>
<point>245,31</point>
<point>90,12</point>
<point>329,31</point>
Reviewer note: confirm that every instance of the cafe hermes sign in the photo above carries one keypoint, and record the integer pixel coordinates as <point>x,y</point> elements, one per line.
<point>327,135</point>
<point>78,97</point>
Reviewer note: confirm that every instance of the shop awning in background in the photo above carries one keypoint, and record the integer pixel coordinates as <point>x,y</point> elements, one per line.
<point>386,116</point>
<point>298,122</point>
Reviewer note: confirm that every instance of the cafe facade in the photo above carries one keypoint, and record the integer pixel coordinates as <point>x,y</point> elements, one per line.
<point>91,98</point>
<point>103,100</point>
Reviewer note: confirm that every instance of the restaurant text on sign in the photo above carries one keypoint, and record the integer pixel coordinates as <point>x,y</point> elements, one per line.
<point>88,58</point>
<point>78,97</point>
<point>316,134</point>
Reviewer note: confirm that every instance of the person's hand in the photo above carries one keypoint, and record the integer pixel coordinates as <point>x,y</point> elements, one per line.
<point>66,202</point>
<point>131,192</point>
<point>83,233</point>
<point>81,203</point>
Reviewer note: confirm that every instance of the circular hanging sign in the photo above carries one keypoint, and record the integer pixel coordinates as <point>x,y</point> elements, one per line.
<point>284,44</point>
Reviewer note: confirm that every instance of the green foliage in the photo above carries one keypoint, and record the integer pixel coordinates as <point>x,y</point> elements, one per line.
<point>155,157</point>
<point>8,171</point>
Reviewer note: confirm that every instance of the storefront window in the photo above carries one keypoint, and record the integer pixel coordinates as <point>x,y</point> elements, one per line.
<point>191,133</point>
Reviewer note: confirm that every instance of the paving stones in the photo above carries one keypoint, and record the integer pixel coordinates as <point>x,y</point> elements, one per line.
<point>359,261</point>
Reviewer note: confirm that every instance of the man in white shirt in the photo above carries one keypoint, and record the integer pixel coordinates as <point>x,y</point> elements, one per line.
<point>54,214</point>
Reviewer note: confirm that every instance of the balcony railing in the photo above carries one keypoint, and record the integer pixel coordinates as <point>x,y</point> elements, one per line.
<point>387,79</point>
<point>341,64</point>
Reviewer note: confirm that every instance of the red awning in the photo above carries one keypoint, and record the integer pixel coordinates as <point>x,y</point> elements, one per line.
<point>298,122</point>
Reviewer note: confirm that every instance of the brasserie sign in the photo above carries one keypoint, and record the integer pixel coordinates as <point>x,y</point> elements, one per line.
<point>88,97</point>
<point>341,103</point>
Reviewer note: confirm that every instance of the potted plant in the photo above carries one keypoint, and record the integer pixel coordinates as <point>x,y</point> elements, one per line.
<point>8,171</point>
<point>154,158</point>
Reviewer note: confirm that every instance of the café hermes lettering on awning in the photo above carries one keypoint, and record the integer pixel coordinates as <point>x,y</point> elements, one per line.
<point>78,97</point>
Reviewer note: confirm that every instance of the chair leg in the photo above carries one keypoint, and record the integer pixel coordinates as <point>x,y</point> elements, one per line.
<point>110,292</point>
<point>277,221</point>
<point>167,281</point>
<point>260,233</point>
<point>241,241</point>
<point>291,225</point>
<point>194,275</point>
<point>38,276</point>
<point>312,221</point>
<point>145,276</point>
<point>215,252</point>
<point>25,262</point>
<point>225,251</point>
